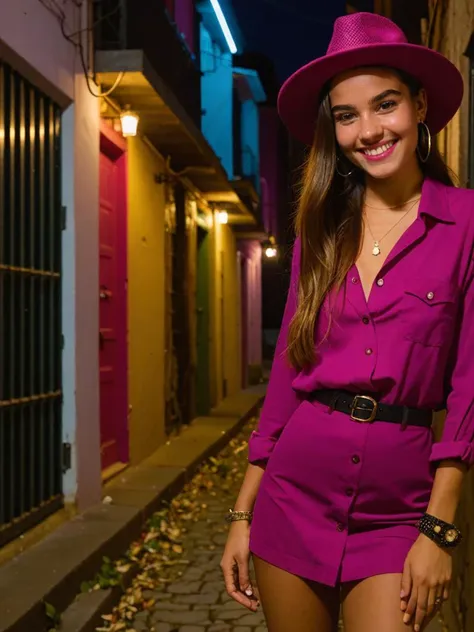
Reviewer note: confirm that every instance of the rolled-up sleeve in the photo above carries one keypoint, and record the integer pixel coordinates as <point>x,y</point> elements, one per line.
<point>281,400</point>
<point>458,434</point>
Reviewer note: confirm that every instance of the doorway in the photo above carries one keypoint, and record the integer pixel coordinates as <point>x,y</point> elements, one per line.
<point>203,398</point>
<point>113,301</point>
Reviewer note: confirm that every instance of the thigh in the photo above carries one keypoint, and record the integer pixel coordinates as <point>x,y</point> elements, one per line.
<point>292,603</point>
<point>373,604</point>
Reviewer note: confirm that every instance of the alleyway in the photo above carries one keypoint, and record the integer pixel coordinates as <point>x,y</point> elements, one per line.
<point>184,561</point>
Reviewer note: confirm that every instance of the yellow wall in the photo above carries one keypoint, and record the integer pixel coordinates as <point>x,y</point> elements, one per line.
<point>225,315</point>
<point>146,300</point>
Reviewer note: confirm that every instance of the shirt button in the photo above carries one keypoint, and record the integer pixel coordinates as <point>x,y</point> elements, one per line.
<point>430,296</point>
<point>340,526</point>
<point>355,459</point>
<point>349,491</point>
<point>366,320</point>
<point>355,280</point>
<point>368,351</point>
<point>380,282</point>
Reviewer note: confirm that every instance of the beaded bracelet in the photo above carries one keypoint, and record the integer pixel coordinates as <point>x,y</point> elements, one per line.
<point>444,534</point>
<point>233,516</point>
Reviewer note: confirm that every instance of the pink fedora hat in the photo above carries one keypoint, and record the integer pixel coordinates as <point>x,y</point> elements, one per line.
<point>367,39</point>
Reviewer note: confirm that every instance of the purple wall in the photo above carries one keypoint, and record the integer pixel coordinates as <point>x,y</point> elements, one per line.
<point>269,166</point>
<point>251,301</point>
<point>185,19</point>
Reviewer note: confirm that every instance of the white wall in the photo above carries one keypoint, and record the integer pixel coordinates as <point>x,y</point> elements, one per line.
<point>81,417</point>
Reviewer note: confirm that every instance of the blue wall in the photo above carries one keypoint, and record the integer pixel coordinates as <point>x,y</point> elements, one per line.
<point>250,141</point>
<point>216,85</point>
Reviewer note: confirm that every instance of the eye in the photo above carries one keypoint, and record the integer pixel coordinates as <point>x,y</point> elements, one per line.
<point>345,117</point>
<point>387,105</point>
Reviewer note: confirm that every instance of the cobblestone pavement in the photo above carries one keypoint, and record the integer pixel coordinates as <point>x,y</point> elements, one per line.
<point>195,600</point>
<point>188,595</point>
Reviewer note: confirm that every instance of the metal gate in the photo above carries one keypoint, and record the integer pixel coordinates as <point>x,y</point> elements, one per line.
<point>30,303</point>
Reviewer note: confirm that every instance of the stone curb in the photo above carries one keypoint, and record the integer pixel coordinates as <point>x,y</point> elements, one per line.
<point>120,525</point>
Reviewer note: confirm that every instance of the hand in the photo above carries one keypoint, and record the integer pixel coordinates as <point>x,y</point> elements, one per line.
<point>235,565</point>
<point>425,581</point>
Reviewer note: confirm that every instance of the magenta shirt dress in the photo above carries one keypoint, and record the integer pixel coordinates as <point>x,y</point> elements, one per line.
<point>339,499</point>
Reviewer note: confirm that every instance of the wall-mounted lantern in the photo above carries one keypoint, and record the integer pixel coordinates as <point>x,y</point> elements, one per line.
<point>222,217</point>
<point>269,248</point>
<point>129,121</point>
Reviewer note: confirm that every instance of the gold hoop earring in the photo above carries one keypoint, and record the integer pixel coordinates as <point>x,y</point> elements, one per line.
<point>343,175</point>
<point>424,130</point>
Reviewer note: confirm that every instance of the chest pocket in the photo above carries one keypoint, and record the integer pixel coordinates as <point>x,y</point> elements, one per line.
<point>430,307</point>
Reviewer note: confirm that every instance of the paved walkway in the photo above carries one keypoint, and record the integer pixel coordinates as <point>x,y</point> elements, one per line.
<point>190,596</point>
<point>194,599</point>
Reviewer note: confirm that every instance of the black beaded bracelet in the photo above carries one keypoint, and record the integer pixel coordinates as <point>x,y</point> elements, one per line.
<point>444,534</point>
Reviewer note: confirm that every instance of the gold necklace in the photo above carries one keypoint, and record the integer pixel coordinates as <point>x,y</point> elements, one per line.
<point>376,247</point>
<point>391,208</point>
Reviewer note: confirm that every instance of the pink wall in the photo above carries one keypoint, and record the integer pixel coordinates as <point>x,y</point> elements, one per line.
<point>270,158</point>
<point>31,41</point>
<point>184,17</point>
<point>252,252</point>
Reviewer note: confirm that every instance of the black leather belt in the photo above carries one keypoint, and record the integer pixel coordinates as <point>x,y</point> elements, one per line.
<point>366,409</point>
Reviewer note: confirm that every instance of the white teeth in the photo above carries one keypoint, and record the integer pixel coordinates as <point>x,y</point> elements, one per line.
<point>379,150</point>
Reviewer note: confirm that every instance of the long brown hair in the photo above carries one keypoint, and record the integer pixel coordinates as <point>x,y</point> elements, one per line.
<point>329,223</point>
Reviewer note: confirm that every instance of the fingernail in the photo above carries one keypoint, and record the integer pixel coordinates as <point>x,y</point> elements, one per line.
<point>403,605</point>
<point>406,618</point>
<point>417,628</point>
<point>249,592</point>
<point>402,594</point>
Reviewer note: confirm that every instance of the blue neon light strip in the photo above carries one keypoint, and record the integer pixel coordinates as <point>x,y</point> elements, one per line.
<point>224,26</point>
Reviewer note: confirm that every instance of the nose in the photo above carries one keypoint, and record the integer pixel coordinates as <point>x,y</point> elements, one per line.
<point>371,130</point>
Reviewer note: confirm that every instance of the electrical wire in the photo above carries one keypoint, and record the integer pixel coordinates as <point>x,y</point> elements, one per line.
<point>53,7</point>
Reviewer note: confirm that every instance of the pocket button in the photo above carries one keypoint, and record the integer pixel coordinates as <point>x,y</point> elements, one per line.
<point>430,296</point>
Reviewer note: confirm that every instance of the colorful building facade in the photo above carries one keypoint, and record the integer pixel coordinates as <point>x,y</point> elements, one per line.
<point>139,304</point>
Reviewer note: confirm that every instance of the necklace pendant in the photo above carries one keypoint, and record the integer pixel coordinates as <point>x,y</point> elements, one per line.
<point>376,249</point>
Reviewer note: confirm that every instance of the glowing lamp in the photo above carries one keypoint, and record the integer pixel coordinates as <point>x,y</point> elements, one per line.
<point>222,217</point>
<point>129,121</point>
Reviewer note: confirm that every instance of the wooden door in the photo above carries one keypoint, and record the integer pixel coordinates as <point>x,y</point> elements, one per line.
<point>112,306</point>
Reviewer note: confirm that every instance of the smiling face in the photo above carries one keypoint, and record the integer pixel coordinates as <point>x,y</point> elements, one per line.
<point>376,120</point>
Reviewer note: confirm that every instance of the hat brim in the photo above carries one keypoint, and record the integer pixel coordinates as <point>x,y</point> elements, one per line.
<point>299,96</point>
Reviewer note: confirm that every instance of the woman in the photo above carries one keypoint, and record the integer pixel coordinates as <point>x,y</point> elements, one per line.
<point>355,503</point>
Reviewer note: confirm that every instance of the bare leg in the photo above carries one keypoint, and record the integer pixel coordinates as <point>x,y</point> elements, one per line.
<point>373,605</point>
<point>292,603</point>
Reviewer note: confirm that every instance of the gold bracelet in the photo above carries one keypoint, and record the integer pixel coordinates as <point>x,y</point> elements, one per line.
<point>232,516</point>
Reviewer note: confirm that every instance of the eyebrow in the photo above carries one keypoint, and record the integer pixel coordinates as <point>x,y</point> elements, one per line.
<point>377,99</point>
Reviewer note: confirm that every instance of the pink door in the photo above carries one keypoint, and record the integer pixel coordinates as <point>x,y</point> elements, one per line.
<point>113,305</point>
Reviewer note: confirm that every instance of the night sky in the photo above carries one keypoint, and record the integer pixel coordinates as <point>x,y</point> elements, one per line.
<point>291,32</point>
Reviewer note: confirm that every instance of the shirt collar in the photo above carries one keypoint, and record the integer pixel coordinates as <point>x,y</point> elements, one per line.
<point>434,201</point>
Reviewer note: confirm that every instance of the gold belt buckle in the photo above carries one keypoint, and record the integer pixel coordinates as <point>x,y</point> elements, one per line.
<point>355,407</point>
